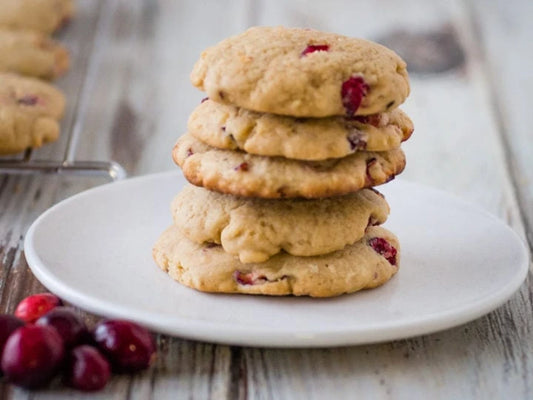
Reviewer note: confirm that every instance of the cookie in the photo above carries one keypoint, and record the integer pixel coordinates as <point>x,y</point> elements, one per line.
<point>44,16</point>
<point>32,53</point>
<point>256,229</point>
<point>302,73</point>
<point>243,174</point>
<point>369,263</point>
<point>29,113</point>
<point>229,127</point>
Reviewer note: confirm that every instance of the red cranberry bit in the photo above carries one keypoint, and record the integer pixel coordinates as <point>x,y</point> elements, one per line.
<point>189,152</point>
<point>8,324</point>
<point>69,326</point>
<point>35,306</point>
<point>314,47</point>
<point>87,369</point>
<point>204,99</point>
<point>381,246</point>
<point>242,167</point>
<point>248,278</point>
<point>128,346</point>
<point>32,356</point>
<point>373,119</point>
<point>352,92</point>
<point>28,100</point>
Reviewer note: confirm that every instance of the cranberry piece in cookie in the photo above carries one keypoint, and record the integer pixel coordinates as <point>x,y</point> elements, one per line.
<point>384,248</point>
<point>248,278</point>
<point>242,167</point>
<point>352,92</point>
<point>315,47</point>
<point>28,100</point>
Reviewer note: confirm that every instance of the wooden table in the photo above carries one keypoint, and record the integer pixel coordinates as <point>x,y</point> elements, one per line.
<point>129,96</point>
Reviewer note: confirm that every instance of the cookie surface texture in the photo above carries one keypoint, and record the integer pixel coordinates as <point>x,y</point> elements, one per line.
<point>243,174</point>
<point>29,113</point>
<point>208,268</point>
<point>256,229</point>
<point>44,16</point>
<point>229,127</point>
<point>32,54</point>
<point>302,73</point>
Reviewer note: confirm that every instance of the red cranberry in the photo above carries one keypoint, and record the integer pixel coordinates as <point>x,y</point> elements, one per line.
<point>32,356</point>
<point>315,47</point>
<point>8,324</point>
<point>369,163</point>
<point>244,166</point>
<point>69,326</point>
<point>87,369</point>
<point>128,346</point>
<point>381,246</point>
<point>374,119</point>
<point>28,100</point>
<point>35,306</point>
<point>352,92</point>
<point>248,278</point>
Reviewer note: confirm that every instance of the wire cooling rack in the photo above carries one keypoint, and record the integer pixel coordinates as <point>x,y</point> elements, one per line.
<point>84,37</point>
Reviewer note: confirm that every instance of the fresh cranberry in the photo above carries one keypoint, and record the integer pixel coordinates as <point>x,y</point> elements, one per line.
<point>128,346</point>
<point>69,326</point>
<point>32,356</point>
<point>35,306</point>
<point>28,100</point>
<point>242,167</point>
<point>8,324</point>
<point>352,92</point>
<point>381,246</point>
<point>87,369</point>
<point>315,47</point>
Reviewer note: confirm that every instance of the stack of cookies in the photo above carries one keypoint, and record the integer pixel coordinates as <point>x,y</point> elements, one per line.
<point>298,127</point>
<point>29,107</point>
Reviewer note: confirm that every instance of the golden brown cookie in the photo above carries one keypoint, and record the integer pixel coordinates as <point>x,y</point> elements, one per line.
<point>44,16</point>
<point>302,73</point>
<point>32,54</point>
<point>243,174</point>
<point>229,127</point>
<point>369,263</point>
<point>29,113</point>
<point>256,229</point>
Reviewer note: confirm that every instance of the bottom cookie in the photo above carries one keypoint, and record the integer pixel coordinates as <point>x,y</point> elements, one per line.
<point>369,263</point>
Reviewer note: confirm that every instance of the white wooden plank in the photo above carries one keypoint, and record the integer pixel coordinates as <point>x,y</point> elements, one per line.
<point>506,33</point>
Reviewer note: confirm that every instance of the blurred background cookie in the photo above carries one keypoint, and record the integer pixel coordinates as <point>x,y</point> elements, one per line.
<point>44,16</point>
<point>32,54</point>
<point>29,113</point>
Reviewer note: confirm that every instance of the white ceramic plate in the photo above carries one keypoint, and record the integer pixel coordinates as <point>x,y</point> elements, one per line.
<point>94,250</point>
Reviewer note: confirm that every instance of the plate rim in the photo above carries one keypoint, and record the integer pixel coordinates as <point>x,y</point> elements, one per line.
<point>194,329</point>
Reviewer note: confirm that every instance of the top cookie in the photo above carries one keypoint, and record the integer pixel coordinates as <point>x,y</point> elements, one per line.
<point>302,73</point>
<point>37,15</point>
